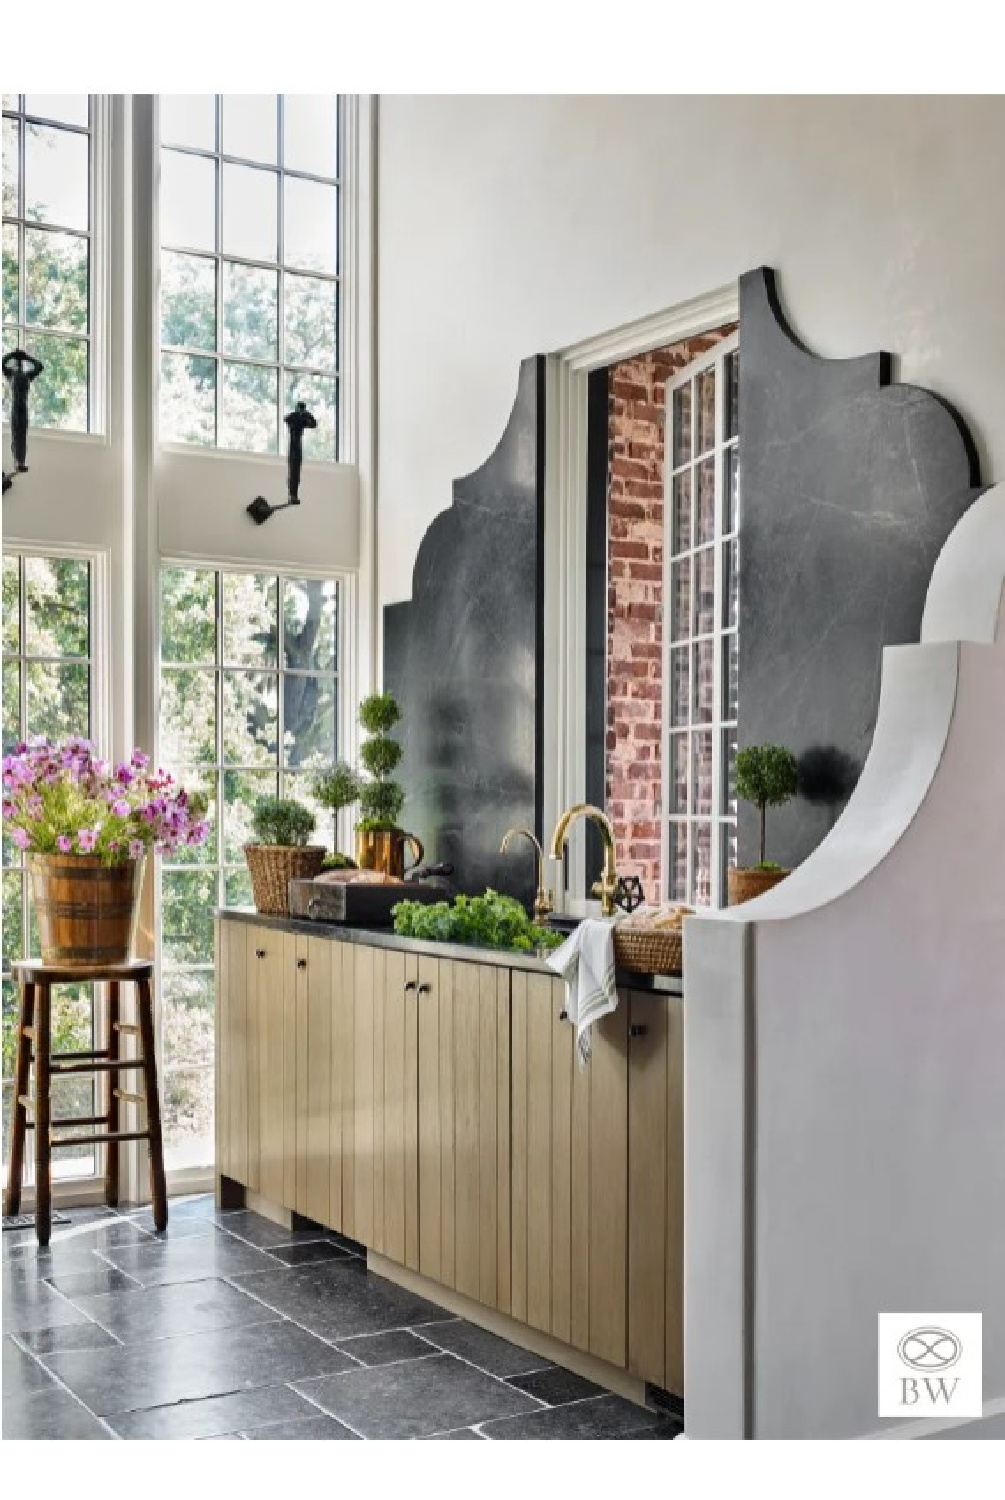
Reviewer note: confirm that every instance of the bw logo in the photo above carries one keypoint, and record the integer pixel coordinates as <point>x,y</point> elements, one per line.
<point>930,1365</point>
<point>925,1350</point>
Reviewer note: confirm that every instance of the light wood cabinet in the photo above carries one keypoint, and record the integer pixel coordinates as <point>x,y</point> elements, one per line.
<point>464,1128</point>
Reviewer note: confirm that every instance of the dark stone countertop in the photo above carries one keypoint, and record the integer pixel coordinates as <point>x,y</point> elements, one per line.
<point>383,937</point>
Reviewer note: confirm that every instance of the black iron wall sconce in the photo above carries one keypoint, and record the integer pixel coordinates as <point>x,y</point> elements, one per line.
<point>20,369</point>
<point>297,421</point>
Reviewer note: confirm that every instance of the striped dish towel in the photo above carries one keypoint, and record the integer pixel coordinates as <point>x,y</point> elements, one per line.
<point>586,963</point>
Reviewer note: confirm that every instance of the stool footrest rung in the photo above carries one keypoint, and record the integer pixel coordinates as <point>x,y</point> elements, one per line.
<point>129,1098</point>
<point>90,1056</point>
<point>98,1137</point>
<point>102,1065</point>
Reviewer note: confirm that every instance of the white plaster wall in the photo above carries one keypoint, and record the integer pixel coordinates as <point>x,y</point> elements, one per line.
<point>515,226</point>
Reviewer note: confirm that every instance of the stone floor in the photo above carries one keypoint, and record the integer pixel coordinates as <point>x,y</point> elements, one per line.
<point>230,1326</point>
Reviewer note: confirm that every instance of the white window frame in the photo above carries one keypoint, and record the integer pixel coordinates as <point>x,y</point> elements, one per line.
<point>721,816</point>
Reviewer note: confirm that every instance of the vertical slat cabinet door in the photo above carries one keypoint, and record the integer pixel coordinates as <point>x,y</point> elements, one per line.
<point>363,1111</point>
<point>290,1064</point>
<point>674,1378</point>
<point>396,1005</point>
<point>222,1052</point>
<point>539,1152</point>
<point>260,940</point>
<point>336,1068</point>
<point>608,1069</point>
<point>267,960</point>
<point>445,985</point>
<point>302,985</point>
<point>467,1117</point>
<point>317,952</point>
<point>647,1184</point>
<point>488,1186</point>
<point>347,1102</point>
<point>519,1151</point>
<point>430,1121</point>
<point>563,1249</point>
<point>503,1082</point>
<point>424,992</point>
<point>238,983</point>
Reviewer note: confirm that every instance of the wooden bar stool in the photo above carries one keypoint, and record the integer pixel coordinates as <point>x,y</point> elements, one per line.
<point>36,981</point>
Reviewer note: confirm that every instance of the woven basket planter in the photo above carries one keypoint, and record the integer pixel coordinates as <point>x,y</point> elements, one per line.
<point>746,885</point>
<point>648,950</point>
<point>273,866</point>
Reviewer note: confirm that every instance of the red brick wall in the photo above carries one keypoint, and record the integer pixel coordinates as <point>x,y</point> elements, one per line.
<point>636,398</point>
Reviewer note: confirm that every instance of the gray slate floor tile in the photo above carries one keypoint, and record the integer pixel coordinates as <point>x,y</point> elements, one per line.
<point>21,1373</point>
<point>600,1417</point>
<point>60,1340</point>
<point>338,1299</point>
<point>33,1305</point>
<point>556,1386</point>
<point>414,1398</point>
<point>387,1348</point>
<point>307,1252</point>
<point>459,1433</point>
<point>161,1312</point>
<point>319,1428</point>
<point>262,1232</point>
<point>80,1284</point>
<point>49,1415</point>
<point>495,1355</point>
<point>191,1259</point>
<point>216,1416</point>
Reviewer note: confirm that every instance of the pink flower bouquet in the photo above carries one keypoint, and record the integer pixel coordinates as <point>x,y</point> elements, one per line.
<point>63,799</point>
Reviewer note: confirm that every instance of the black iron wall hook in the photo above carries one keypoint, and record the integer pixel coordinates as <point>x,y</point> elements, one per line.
<point>20,369</point>
<point>297,422</point>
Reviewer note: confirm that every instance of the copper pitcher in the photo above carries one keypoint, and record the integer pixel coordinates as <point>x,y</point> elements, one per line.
<point>384,849</point>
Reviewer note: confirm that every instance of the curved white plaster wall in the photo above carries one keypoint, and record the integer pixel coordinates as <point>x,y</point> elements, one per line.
<point>845,1056</point>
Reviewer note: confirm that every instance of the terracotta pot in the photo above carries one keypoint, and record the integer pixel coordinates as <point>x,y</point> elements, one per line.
<point>273,866</point>
<point>746,884</point>
<point>384,849</point>
<point>87,911</point>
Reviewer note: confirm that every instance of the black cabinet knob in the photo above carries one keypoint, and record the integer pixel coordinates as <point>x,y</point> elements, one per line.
<point>637,1030</point>
<point>410,986</point>
<point>259,952</point>
<point>425,989</point>
<point>301,963</point>
<point>563,1015</point>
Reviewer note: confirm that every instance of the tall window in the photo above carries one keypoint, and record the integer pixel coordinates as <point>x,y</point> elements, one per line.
<point>47,689</point>
<point>47,250</point>
<point>249,215</point>
<point>249,705</point>
<point>701,669</point>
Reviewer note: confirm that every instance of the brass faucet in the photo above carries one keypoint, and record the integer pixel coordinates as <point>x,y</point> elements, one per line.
<point>544,903</point>
<point>606,885</point>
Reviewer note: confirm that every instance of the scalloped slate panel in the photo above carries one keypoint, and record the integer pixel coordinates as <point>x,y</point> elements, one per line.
<point>850,487</point>
<point>463,657</point>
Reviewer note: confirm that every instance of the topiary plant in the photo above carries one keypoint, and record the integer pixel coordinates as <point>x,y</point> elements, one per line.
<point>766,775</point>
<point>282,821</point>
<point>335,788</point>
<point>380,798</point>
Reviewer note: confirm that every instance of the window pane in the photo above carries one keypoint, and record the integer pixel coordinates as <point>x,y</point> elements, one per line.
<point>250,317</point>
<point>188,201</point>
<point>59,394</point>
<point>11,166</point>
<point>731,488</point>
<point>238,885</point>
<point>203,781</point>
<point>250,619</point>
<point>319,394</point>
<point>730,666</point>
<point>188,399</point>
<point>57,699</point>
<point>680,586</point>
<point>730,583</point>
<point>705,411</point>
<point>188,1016</point>
<point>55,277</point>
<point>682,425</point>
<point>241,790</point>
<point>11,705</point>
<point>310,133</point>
<point>250,226</point>
<point>187,1108</point>
<point>297,784</point>
<point>251,126</point>
<point>704,591</point>
<point>56,176</point>
<point>682,511</point>
<point>703,687</point>
<point>69,109</point>
<point>678,685</point>
<point>678,773</point>
<point>702,855</point>
<point>13,930</point>
<point>729,771</point>
<point>188,716</point>
<point>731,393</point>
<point>11,602</point>
<point>188,614</point>
<point>248,411</point>
<point>308,719</point>
<point>310,322</point>
<point>188,120</point>
<point>250,718</point>
<point>310,221</point>
<point>10,292</point>
<point>701,772</point>
<point>705,518</point>
<point>677,863</point>
<point>187,901</point>
<point>727,835</point>
<point>11,101</point>
<point>188,301</point>
<point>310,623</point>
<point>57,603</point>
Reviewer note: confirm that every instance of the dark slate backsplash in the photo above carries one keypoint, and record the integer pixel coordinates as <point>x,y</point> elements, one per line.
<point>463,656</point>
<point>850,486</point>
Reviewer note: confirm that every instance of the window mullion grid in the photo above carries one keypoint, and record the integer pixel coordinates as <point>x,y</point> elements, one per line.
<point>718,637</point>
<point>280,695</point>
<point>281,276</point>
<point>218,180</point>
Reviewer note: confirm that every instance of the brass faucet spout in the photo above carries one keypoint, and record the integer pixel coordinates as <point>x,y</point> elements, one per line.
<point>605,886</point>
<point>543,902</point>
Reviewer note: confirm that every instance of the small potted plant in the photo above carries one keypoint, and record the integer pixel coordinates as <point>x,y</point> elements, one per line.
<point>766,775</point>
<point>280,852</point>
<point>85,827</point>
<point>336,788</point>
<point>380,843</point>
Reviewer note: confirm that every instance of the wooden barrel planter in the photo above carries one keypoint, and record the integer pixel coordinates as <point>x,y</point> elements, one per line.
<point>87,911</point>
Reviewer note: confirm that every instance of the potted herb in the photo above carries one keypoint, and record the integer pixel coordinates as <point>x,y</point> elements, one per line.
<point>380,843</point>
<point>336,788</point>
<point>280,852</point>
<point>766,775</point>
<point>86,827</point>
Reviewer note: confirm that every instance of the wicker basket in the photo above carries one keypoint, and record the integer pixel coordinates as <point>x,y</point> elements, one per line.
<point>648,950</point>
<point>273,866</point>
